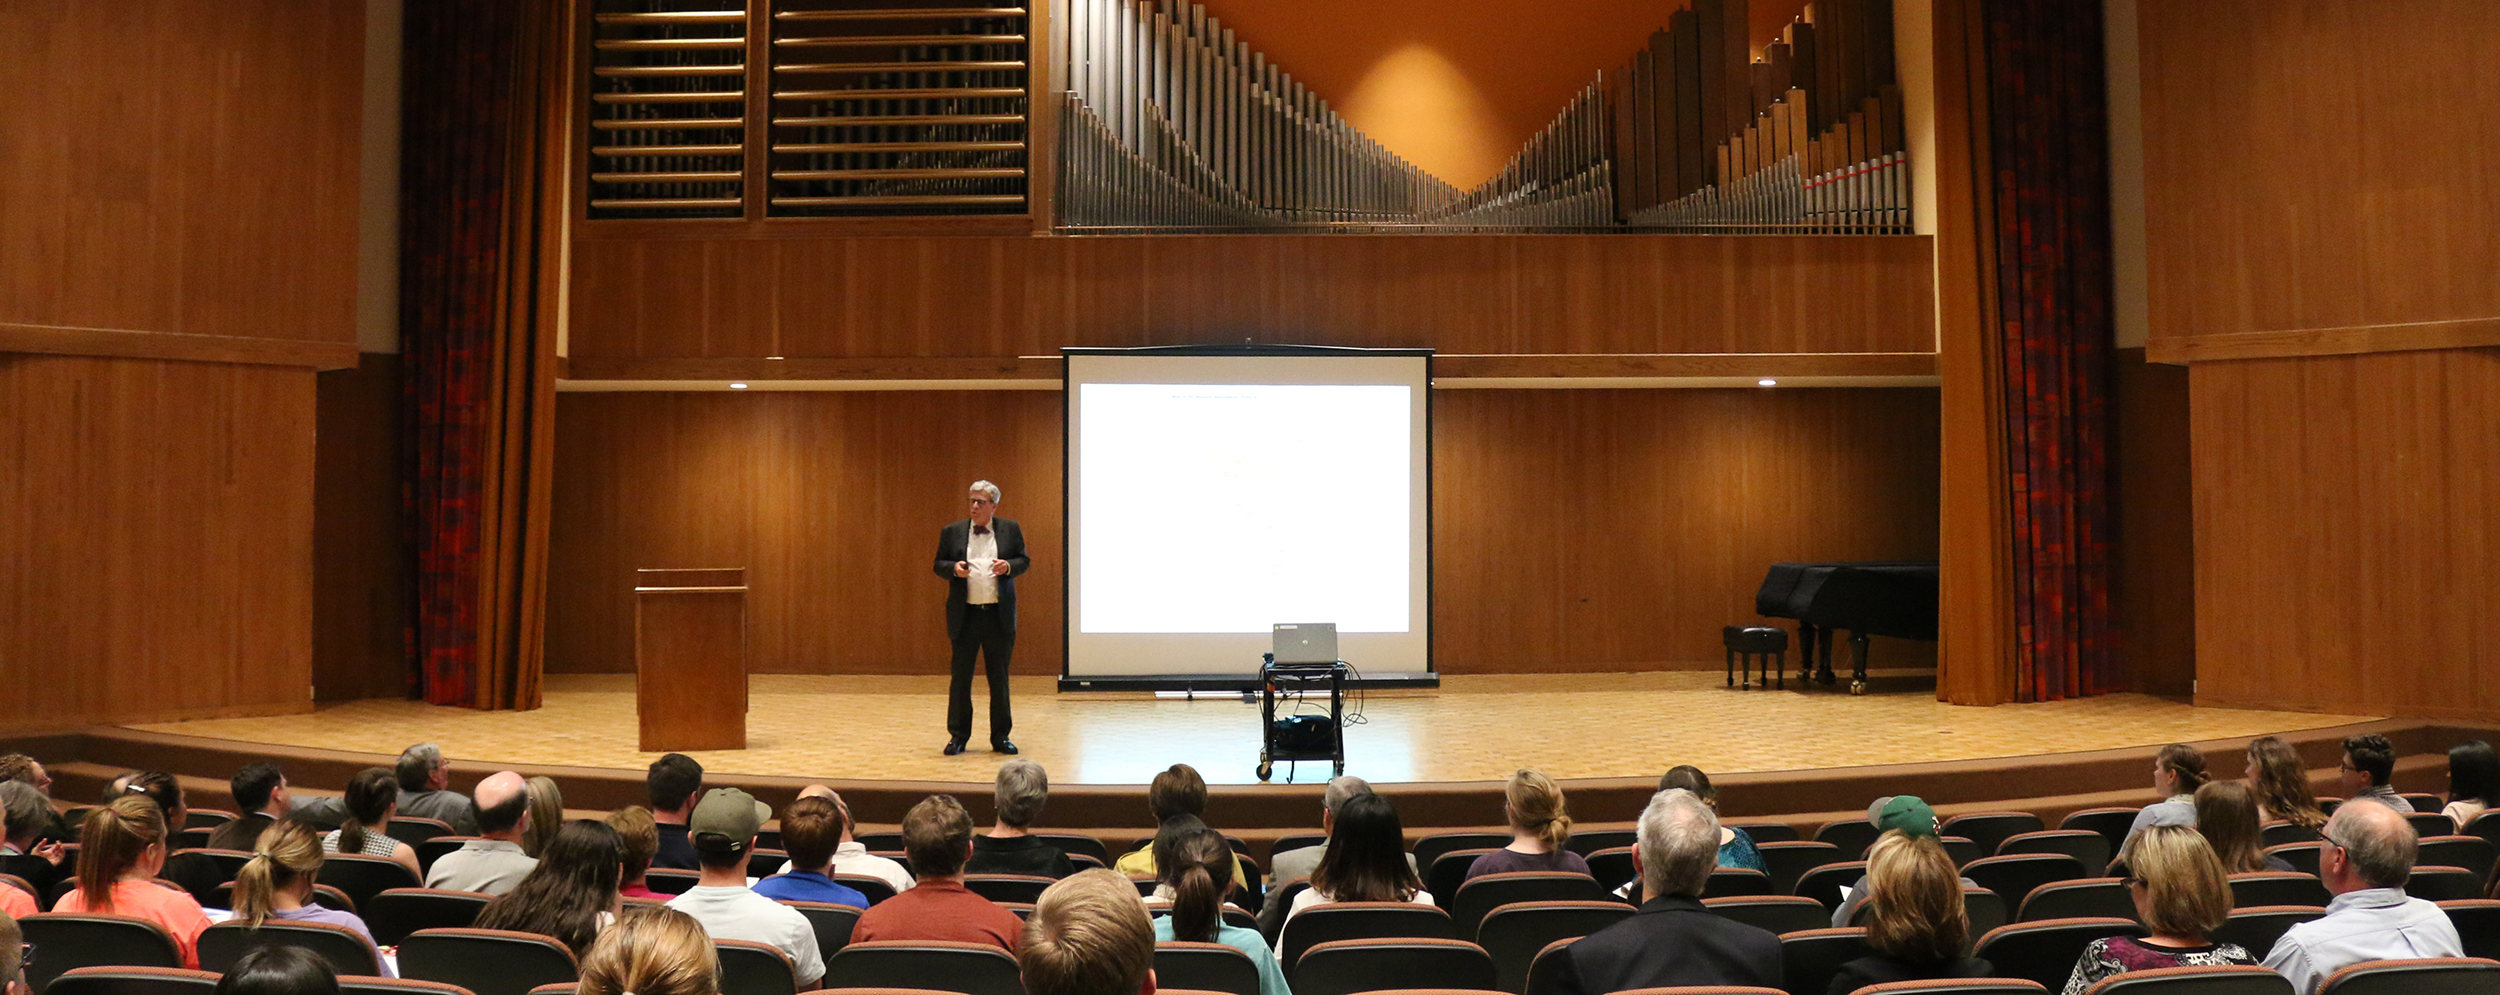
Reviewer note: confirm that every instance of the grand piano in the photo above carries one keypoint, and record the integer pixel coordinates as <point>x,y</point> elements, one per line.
<point>1894,598</point>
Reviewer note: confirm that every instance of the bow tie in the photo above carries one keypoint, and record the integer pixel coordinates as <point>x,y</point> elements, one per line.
<point>980,530</point>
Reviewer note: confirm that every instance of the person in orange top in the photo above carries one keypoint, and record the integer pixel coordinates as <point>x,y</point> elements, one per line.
<point>120,851</point>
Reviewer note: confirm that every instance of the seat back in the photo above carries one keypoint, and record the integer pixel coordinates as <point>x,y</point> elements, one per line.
<point>2229,979</point>
<point>134,981</point>
<point>1545,971</point>
<point>394,914</point>
<point>360,984</point>
<point>1810,958</point>
<point>2302,856</point>
<point>1775,913</point>
<point>1612,867</point>
<point>1334,921</point>
<point>2111,823</point>
<point>430,850</point>
<point>415,829</point>
<point>1294,841</point>
<point>486,961</point>
<point>2046,951</point>
<point>765,863</point>
<point>2279,833</point>
<point>1073,844</point>
<point>1786,861</point>
<point>2444,884</point>
<point>69,940</point>
<point>2081,844</point>
<point>1991,829</point>
<point>1960,850</point>
<point>1852,836</point>
<point>1344,967</point>
<point>2277,888</point>
<point>969,968</point>
<point>1766,832</point>
<point>1956,986</point>
<point>880,842</point>
<point>1211,967</point>
<point>1483,894</point>
<point>1728,881</point>
<point>229,863</point>
<point>363,877</point>
<point>205,818</point>
<point>2013,876</point>
<point>1513,934</point>
<point>347,950</point>
<point>2084,898</point>
<point>833,924</point>
<point>670,880</point>
<point>2428,976</point>
<point>1448,871</point>
<point>2256,927</point>
<point>2429,822</point>
<point>2478,925</point>
<point>1429,849</point>
<point>751,968</point>
<point>1823,883</point>
<point>2486,825</point>
<point>1008,887</point>
<point>1591,841</point>
<point>875,889</point>
<point>2473,853</point>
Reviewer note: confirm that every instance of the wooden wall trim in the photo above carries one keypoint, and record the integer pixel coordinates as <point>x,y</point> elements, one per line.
<point>131,343</point>
<point>1560,366</point>
<point>2463,333</point>
<point>814,368</point>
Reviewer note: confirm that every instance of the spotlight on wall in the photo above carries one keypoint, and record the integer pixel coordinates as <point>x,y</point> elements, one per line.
<point>737,386</point>
<point>1768,382</point>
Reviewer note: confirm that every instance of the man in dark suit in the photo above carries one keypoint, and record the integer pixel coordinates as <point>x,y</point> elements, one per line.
<point>1673,940</point>
<point>980,558</point>
<point>260,794</point>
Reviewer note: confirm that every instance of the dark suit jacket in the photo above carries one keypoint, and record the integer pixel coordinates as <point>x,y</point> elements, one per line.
<point>954,542</point>
<point>1671,941</point>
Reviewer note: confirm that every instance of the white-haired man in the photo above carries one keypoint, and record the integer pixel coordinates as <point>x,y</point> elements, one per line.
<point>1674,939</point>
<point>980,557</point>
<point>2369,853</point>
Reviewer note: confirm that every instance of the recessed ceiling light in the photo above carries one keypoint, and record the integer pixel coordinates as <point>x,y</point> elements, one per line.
<point>737,386</point>
<point>1768,382</point>
<point>772,357</point>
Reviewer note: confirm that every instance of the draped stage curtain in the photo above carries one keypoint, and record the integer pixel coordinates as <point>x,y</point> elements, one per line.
<point>481,219</point>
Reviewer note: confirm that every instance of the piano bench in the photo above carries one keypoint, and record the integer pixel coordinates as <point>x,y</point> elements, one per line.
<point>1751,641</point>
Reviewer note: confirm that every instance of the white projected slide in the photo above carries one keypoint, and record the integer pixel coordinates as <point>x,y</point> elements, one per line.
<point>1211,497</point>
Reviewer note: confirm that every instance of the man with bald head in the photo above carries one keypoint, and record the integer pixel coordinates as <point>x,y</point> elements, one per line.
<point>2368,855</point>
<point>495,863</point>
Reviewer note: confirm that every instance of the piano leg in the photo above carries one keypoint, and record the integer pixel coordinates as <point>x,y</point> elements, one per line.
<point>1809,638</point>
<point>1857,659</point>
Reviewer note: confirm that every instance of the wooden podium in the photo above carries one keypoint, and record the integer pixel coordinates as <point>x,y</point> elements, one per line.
<point>690,658</point>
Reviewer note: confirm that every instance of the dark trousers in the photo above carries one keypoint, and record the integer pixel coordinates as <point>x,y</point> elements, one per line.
<point>983,635</point>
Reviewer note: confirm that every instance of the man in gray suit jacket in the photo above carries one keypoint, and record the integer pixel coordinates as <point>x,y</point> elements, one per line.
<point>980,558</point>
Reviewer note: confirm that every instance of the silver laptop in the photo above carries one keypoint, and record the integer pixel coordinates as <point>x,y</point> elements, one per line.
<point>1306,642</point>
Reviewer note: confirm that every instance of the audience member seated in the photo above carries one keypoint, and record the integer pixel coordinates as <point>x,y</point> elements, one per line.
<point>12,955</point>
<point>1296,864</point>
<point>2368,856</point>
<point>937,837</point>
<point>2281,781</point>
<point>572,893</point>
<point>2226,815</point>
<point>1908,815</point>
<point>424,778</point>
<point>1189,865</point>
<point>674,783</point>
<point>31,850</point>
<point>2368,770</point>
<point>652,951</point>
<point>1366,860</point>
<point>546,815</point>
<point>638,838</point>
<point>495,863</point>
<point>1914,917</point>
<point>1673,939</point>
<point>1089,936</point>
<point>13,902</point>
<point>260,796</point>
<point>372,799</point>
<point>2473,781</point>
<point>2178,770</point>
<point>1736,847</point>
<point>1009,846</point>
<point>19,768</point>
<point>852,857</point>
<point>192,872</point>
<point>1539,823</point>
<point>279,970</point>
<point>810,830</point>
<point>277,883</point>
<point>723,827</point>
<point>2182,892</point>
<point>122,846</point>
<point>1176,792</point>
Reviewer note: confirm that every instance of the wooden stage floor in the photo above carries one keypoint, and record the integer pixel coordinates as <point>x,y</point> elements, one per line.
<point>1474,728</point>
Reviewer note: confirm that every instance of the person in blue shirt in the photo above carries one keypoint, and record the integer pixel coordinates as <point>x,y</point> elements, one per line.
<point>810,829</point>
<point>1190,863</point>
<point>2369,854</point>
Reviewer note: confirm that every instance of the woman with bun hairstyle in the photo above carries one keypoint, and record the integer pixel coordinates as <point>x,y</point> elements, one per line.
<point>1539,827</point>
<point>2178,770</point>
<point>121,847</point>
<point>1196,865</point>
<point>372,799</point>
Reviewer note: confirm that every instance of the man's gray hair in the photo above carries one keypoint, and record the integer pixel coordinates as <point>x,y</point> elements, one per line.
<point>26,808</point>
<point>1679,843</point>
<point>988,488</point>
<point>1340,789</point>
<point>416,765</point>
<point>2380,843</point>
<point>1022,788</point>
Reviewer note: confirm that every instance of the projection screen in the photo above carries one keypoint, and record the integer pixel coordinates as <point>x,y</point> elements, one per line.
<point>1213,492</point>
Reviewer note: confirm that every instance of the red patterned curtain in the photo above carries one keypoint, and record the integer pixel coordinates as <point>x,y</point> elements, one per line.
<point>2048,140</point>
<point>481,211</point>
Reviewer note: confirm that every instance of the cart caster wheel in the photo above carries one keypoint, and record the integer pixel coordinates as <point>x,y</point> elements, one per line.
<point>1266,769</point>
<point>1340,770</point>
<point>1857,687</point>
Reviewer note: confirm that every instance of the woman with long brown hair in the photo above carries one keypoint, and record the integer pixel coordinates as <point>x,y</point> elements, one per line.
<point>1915,919</point>
<point>2226,815</point>
<point>2281,783</point>
<point>1196,865</point>
<point>121,846</point>
<point>1366,859</point>
<point>1540,825</point>
<point>572,893</point>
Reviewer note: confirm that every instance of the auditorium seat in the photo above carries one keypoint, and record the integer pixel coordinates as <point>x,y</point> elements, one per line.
<point>2046,951</point>
<point>1961,850</point>
<point>363,877</point>
<point>415,829</point>
<point>2111,823</point>
<point>2429,822</point>
<point>2443,884</point>
<point>1332,921</point>
<point>1809,958</point>
<point>67,940</point>
<point>365,984</point>
<point>1823,883</point>
<point>400,911</point>
<point>1210,967</point>
<point>833,924</point>
<point>880,842</point>
<point>2277,888</point>
<point>487,961</point>
<point>2486,825</point>
<point>1612,867</point>
<point>1766,832</point>
<point>1852,836</point>
<point>969,968</point>
<point>2227,979</point>
<point>766,862</point>
<point>1073,844</point>
<point>2302,856</point>
<point>1730,881</point>
<point>2256,927</point>
<point>671,880</point>
<point>1345,967</point>
<point>1295,841</point>
<point>133,981</point>
<point>1484,893</point>
<point>751,968</point>
<point>431,850</point>
<point>347,950</point>
<point>228,863</point>
<point>1544,972</point>
<point>1991,829</point>
<point>2279,833</point>
<point>1789,860</point>
<point>874,889</point>
<point>1776,913</point>
<point>1513,934</point>
<point>2012,877</point>
<point>2478,925</point>
<point>1008,887</point>
<point>2083,898</point>
<point>2473,853</point>
<point>1585,843</point>
<point>1447,871</point>
<point>2081,844</point>
<point>1429,849</point>
<point>205,818</point>
<point>1956,986</point>
<point>2427,976</point>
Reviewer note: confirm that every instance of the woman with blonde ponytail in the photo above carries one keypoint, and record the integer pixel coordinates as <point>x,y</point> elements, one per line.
<point>1190,863</point>
<point>121,847</point>
<point>277,883</point>
<point>1539,827</point>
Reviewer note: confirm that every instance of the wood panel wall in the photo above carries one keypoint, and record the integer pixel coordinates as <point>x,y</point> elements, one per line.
<point>1573,529</point>
<point>360,570</point>
<point>707,294</point>
<point>2153,587</point>
<point>156,557</point>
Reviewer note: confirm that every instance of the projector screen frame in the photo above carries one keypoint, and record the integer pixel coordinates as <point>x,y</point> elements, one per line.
<point>1429,677</point>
